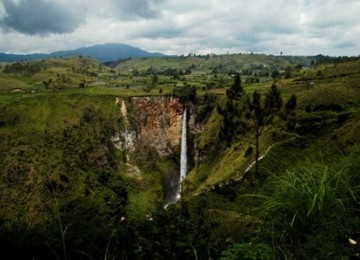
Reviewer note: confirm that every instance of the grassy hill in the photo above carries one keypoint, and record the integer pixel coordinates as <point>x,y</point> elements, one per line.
<point>222,63</point>
<point>322,101</point>
<point>48,74</point>
<point>65,188</point>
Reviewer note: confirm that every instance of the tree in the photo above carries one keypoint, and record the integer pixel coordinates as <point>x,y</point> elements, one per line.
<point>288,71</point>
<point>47,83</point>
<point>273,100</point>
<point>290,114</point>
<point>260,115</point>
<point>82,84</point>
<point>290,106</point>
<point>275,74</point>
<point>185,94</point>
<point>236,91</point>
<point>231,125</point>
<point>155,79</point>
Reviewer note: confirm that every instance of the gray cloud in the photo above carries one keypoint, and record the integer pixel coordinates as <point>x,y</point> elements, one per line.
<point>39,17</point>
<point>298,27</point>
<point>135,9</point>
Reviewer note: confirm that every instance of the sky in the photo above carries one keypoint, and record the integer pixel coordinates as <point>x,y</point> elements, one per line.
<point>175,27</point>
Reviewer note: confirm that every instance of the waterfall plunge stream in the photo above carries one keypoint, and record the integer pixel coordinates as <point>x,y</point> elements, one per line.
<point>176,182</point>
<point>183,154</point>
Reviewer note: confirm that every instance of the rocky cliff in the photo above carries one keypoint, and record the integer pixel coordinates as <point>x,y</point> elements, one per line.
<point>158,122</point>
<point>154,122</point>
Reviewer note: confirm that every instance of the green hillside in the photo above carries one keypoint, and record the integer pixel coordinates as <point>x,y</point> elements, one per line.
<point>67,193</point>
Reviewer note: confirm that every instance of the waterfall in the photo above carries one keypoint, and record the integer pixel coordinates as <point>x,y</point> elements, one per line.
<point>183,154</point>
<point>174,193</point>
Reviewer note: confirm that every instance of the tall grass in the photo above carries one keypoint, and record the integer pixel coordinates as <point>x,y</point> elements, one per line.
<point>312,210</point>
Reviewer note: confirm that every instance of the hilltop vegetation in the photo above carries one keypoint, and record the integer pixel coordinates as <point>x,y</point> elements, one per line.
<point>68,193</point>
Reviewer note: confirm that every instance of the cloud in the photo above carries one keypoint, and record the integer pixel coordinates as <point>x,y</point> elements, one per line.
<point>39,17</point>
<point>136,9</point>
<point>298,27</point>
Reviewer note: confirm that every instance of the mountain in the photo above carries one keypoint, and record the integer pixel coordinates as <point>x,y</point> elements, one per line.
<point>101,52</point>
<point>21,57</point>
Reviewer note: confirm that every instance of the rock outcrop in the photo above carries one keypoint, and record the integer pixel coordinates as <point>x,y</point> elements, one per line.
<point>150,121</point>
<point>158,123</point>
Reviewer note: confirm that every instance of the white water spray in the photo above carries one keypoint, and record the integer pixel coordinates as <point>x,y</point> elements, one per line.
<point>183,164</point>
<point>183,154</point>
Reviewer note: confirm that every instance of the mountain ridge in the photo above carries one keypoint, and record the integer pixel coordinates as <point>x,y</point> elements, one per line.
<point>102,52</point>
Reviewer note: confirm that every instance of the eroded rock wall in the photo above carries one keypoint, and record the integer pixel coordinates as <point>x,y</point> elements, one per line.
<point>158,123</point>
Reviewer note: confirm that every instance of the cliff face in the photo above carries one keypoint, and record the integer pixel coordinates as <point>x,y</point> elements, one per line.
<point>158,121</point>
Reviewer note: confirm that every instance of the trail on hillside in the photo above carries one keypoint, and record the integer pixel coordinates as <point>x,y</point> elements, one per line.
<point>252,164</point>
<point>266,152</point>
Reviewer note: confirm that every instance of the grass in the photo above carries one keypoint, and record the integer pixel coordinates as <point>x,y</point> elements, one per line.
<point>142,203</point>
<point>144,199</point>
<point>205,63</point>
<point>40,112</point>
<point>33,142</point>
<point>305,200</point>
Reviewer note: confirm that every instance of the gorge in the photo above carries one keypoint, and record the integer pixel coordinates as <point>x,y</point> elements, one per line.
<point>88,169</point>
<point>157,124</point>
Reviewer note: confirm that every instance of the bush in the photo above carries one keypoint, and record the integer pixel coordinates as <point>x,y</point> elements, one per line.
<point>249,151</point>
<point>185,94</point>
<point>207,104</point>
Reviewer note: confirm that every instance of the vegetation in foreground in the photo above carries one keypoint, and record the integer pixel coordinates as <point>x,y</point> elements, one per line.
<point>66,194</point>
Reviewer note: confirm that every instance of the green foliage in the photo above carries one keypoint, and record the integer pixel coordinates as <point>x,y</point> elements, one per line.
<point>65,188</point>
<point>66,171</point>
<point>236,90</point>
<point>185,94</point>
<point>155,79</point>
<point>248,251</point>
<point>260,115</point>
<point>82,84</point>
<point>249,151</point>
<point>275,74</point>
<point>310,200</point>
<point>180,232</point>
<point>290,113</point>
<point>206,104</point>
<point>23,68</point>
<point>232,124</point>
<point>291,104</point>
<point>273,100</point>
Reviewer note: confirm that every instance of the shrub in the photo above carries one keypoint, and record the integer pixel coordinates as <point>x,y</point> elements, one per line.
<point>185,94</point>
<point>249,151</point>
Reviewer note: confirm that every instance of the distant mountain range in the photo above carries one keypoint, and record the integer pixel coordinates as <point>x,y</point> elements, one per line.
<point>102,52</point>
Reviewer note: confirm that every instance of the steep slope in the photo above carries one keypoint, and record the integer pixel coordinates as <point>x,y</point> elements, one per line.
<point>327,105</point>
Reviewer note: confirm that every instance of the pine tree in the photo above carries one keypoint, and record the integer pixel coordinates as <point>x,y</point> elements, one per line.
<point>260,115</point>
<point>291,104</point>
<point>290,114</point>
<point>231,113</point>
<point>236,91</point>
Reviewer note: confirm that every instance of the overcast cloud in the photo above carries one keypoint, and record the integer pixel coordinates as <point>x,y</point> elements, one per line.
<point>38,17</point>
<point>298,27</point>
